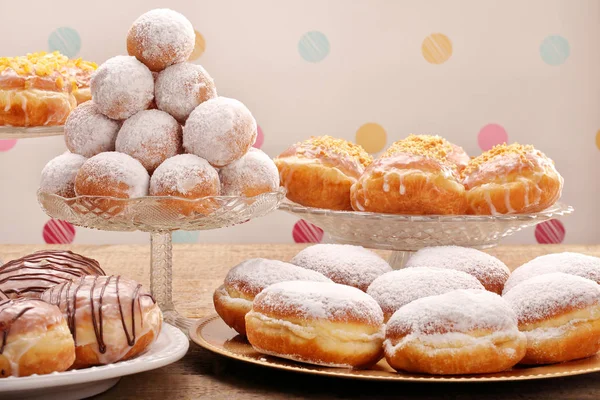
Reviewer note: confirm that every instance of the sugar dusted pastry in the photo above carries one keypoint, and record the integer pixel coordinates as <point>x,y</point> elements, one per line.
<point>317,323</point>
<point>416,175</point>
<point>510,180</point>
<point>89,132</point>
<point>343,264</point>
<point>319,172</point>
<point>243,282</point>
<point>34,339</point>
<point>111,318</point>
<point>560,315</point>
<point>251,175</point>
<point>58,176</point>
<point>459,332</point>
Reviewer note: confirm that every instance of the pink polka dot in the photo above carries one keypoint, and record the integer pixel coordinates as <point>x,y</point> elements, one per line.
<point>260,138</point>
<point>305,232</point>
<point>550,232</point>
<point>491,135</point>
<point>6,145</point>
<point>58,232</point>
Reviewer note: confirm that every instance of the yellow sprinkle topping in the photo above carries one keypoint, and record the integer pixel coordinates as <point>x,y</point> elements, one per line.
<point>327,145</point>
<point>502,149</point>
<point>434,147</point>
<point>43,64</point>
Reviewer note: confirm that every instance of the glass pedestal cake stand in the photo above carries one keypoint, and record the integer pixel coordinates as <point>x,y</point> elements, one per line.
<point>160,216</point>
<point>17,132</point>
<point>405,234</point>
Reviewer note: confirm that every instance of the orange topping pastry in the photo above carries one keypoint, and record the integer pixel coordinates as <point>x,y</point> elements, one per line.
<point>499,150</point>
<point>434,147</point>
<point>328,146</point>
<point>43,64</point>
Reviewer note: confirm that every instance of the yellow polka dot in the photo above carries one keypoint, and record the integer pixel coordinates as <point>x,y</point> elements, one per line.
<point>199,47</point>
<point>436,48</point>
<point>372,137</point>
<point>598,139</point>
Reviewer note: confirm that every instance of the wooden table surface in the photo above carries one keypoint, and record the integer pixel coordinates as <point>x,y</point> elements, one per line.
<point>199,269</point>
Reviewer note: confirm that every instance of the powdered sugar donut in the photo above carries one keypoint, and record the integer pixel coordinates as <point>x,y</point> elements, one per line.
<point>89,132</point>
<point>121,87</point>
<point>459,332</point>
<point>160,38</point>
<point>491,272</point>
<point>567,262</point>
<point>58,176</point>
<point>112,174</point>
<point>187,176</point>
<point>398,288</point>
<point>318,323</point>
<point>243,282</point>
<point>150,136</point>
<point>182,87</point>
<point>220,130</point>
<point>560,315</point>
<point>251,175</point>
<point>342,263</point>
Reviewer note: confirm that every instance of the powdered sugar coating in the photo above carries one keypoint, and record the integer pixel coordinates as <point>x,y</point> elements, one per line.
<point>180,88</point>
<point>460,311</point>
<point>253,275</point>
<point>567,262</point>
<point>150,136</point>
<point>121,87</point>
<point>221,130</point>
<point>251,175</point>
<point>161,37</point>
<point>319,300</point>
<point>182,175</point>
<point>549,295</point>
<point>491,272</point>
<point>89,132</point>
<point>114,167</point>
<point>344,264</point>
<point>58,176</point>
<point>396,289</point>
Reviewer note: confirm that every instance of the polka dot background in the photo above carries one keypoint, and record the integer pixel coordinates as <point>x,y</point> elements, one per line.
<point>555,50</point>
<point>313,46</point>
<point>598,140</point>
<point>305,232</point>
<point>372,137</point>
<point>550,232</point>
<point>491,135</point>
<point>66,40</point>
<point>260,138</point>
<point>6,145</point>
<point>199,47</point>
<point>58,232</point>
<point>185,236</point>
<point>436,48</point>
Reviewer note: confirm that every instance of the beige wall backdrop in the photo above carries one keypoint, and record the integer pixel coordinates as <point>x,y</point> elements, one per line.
<point>473,71</point>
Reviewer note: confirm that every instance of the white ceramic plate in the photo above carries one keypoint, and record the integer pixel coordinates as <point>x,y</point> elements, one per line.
<point>172,344</point>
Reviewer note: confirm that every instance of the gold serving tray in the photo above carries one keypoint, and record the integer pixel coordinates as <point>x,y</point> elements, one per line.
<point>214,335</point>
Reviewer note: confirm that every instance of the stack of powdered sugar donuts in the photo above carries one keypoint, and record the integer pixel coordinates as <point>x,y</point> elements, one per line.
<point>156,126</point>
<point>451,311</point>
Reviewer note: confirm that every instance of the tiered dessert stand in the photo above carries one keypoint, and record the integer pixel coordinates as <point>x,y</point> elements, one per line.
<point>405,234</point>
<point>15,132</point>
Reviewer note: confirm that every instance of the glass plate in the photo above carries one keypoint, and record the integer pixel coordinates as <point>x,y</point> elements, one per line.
<point>19,132</point>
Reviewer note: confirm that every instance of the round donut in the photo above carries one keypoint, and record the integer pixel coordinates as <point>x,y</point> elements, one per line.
<point>344,264</point>
<point>569,263</point>
<point>160,38</point>
<point>251,175</point>
<point>396,289</point>
<point>413,176</point>
<point>121,87</point>
<point>510,180</point>
<point>150,136</point>
<point>112,174</point>
<point>190,177</point>
<point>34,339</point>
<point>89,132</point>
<point>111,318</point>
<point>31,275</point>
<point>459,332</point>
<point>220,130</point>
<point>318,323</point>
<point>560,315</point>
<point>234,298</point>
<point>180,88</point>
<point>320,171</point>
<point>58,176</point>
<point>491,272</point>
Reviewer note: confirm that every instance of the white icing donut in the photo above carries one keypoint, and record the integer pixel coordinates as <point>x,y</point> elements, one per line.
<point>121,87</point>
<point>58,176</point>
<point>150,136</point>
<point>220,130</point>
<point>251,175</point>
<point>89,132</point>
<point>185,175</point>
<point>180,88</point>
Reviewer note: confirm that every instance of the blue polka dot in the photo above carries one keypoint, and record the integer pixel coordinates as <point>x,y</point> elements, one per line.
<point>313,46</point>
<point>66,40</point>
<point>185,236</point>
<point>555,50</point>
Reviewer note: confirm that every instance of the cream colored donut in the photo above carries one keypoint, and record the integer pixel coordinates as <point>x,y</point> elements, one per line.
<point>253,174</point>
<point>58,176</point>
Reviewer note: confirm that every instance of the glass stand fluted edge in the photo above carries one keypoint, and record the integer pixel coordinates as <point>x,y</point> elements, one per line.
<point>161,279</point>
<point>398,259</point>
